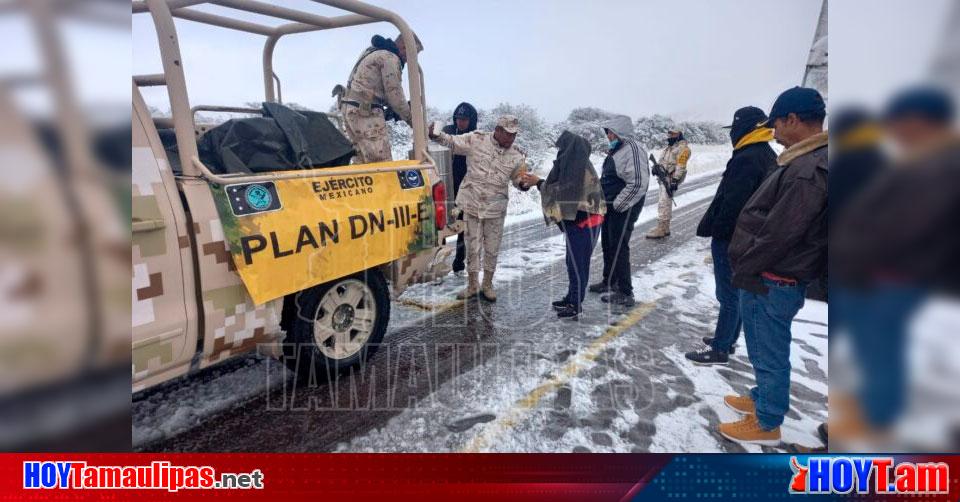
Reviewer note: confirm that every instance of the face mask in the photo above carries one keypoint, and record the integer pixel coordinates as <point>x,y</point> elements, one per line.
<point>614,144</point>
<point>672,141</point>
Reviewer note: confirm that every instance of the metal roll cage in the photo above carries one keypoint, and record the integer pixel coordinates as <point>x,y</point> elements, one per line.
<point>163,12</point>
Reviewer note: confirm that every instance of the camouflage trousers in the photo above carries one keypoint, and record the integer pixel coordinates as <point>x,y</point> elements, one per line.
<point>368,133</point>
<point>483,238</point>
<point>664,208</point>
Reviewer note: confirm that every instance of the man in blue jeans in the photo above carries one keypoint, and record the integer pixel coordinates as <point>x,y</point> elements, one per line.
<point>752,161</point>
<point>779,245</point>
<point>891,250</point>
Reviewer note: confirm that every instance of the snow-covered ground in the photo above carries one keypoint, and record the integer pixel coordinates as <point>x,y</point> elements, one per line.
<point>176,408</point>
<point>179,407</point>
<point>514,263</point>
<point>172,410</point>
<point>617,387</point>
<point>608,388</point>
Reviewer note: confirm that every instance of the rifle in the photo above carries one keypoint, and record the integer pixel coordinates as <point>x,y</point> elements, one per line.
<point>663,177</point>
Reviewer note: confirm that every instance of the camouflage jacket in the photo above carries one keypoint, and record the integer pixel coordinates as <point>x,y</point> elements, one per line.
<point>674,159</point>
<point>377,77</point>
<point>490,170</point>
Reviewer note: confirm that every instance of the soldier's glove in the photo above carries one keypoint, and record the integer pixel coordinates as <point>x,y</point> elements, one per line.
<point>674,184</point>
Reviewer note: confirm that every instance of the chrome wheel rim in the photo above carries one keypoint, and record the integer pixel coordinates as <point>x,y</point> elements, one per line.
<point>344,319</point>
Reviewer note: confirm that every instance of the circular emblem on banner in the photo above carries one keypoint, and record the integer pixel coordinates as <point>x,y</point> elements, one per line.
<point>258,197</point>
<point>413,178</point>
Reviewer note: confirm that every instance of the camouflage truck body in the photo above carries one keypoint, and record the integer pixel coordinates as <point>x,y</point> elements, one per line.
<point>191,306</point>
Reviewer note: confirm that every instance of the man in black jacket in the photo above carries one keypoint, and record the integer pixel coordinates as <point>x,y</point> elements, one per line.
<point>464,121</point>
<point>857,157</point>
<point>752,161</point>
<point>779,245</point>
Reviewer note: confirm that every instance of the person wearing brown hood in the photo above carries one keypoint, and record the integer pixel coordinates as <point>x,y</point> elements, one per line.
<point>779,245</point>
<point>573,199</point>
<point>752,161</point>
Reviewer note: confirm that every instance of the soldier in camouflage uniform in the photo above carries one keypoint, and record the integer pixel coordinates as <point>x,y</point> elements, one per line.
<point>494,163</point>
<point>374,92</point>
<point>674,161</point>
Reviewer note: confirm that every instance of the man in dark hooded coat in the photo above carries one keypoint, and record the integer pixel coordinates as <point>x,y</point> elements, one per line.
<point>464,121</point>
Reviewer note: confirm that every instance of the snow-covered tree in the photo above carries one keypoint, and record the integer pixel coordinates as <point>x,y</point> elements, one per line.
<point>652,131</point>
<point>401,135</point>
<point>536,135</point>
<point>588,122</point>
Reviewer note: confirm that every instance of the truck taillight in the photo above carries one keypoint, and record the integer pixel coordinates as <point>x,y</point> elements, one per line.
<point>440,205</point>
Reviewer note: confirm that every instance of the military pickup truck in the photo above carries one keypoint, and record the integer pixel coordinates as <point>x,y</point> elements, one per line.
<point>300,263</point>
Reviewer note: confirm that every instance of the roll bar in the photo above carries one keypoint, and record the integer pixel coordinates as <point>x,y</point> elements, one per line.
<point>163,12</point>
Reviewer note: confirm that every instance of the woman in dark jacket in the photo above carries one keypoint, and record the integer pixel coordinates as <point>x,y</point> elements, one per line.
<point>464,121</point>
<point>572,198</point>
<point>752,161</point>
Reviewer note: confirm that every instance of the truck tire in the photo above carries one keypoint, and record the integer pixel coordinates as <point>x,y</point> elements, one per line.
<point>337,325</point>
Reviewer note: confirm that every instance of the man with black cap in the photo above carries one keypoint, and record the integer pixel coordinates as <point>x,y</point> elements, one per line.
<point>778,246</point>
<point>857,156</point>
<point>464,121</point>
<point>674,161</point>
<point>752,161</point>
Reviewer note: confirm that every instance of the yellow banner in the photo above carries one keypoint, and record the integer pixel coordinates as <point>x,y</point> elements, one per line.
<point>288,235</point>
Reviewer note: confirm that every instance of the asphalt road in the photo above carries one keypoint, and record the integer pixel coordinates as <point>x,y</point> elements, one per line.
<point>321,416</point>
<point>417,360</point>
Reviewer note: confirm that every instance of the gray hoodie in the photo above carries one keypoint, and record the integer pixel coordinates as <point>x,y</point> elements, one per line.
<point>626,173</point>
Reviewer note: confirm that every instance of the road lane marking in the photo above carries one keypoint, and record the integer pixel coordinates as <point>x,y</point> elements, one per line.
<point>513,416</point>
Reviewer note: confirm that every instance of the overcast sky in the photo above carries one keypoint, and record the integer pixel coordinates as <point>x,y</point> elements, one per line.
<point>878,46</point>
<point>693,59</point>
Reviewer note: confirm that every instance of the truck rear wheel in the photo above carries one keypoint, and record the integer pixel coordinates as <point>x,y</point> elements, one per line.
<point>337,325</point>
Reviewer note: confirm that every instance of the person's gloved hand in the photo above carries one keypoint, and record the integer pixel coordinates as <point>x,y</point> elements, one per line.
<point>674,184</point>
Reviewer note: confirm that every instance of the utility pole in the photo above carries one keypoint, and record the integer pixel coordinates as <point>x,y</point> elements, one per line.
<point>816,73</point>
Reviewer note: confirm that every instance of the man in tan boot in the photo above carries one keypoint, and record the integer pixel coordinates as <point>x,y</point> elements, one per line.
<point>747,429</point>
<point>779,246</point>
<point>494,163</point>
<point>674,161</point>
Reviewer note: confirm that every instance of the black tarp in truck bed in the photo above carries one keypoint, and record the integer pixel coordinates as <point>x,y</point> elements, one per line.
<point>282,139</point>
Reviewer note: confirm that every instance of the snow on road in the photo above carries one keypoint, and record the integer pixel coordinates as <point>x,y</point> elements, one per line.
<point>516,262</point>
<point>176,408</point>
<point>186,403</point>
<point>180,407</point>
<point>622,387</point>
